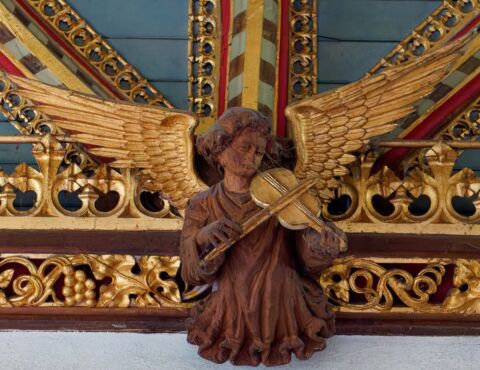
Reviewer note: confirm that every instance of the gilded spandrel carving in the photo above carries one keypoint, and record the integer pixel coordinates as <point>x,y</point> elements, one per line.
<point>90,281</point>
<point>396,289</point>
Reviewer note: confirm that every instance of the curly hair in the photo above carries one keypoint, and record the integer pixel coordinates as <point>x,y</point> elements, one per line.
<point>230,124</point>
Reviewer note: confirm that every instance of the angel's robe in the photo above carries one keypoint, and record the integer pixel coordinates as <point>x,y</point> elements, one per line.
<point>264,302</point>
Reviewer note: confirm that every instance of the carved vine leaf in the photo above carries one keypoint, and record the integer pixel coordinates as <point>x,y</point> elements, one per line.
<point>129,287</point>
<point>465,297</point>
<point>5,278</point>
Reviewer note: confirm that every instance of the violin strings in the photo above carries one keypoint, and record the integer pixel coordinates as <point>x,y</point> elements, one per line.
<point>278,186</point>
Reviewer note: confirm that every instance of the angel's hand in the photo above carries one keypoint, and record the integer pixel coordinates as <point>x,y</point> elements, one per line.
<point>331,241</point>
<point>220,231</point>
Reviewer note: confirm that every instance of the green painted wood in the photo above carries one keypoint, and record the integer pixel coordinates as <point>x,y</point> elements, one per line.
<point>373,20</point>
<point>343,62</point>
<point>136,19</point>
<point>322,87</point>
<point>158,60</point>
<point>175,92</point>
<point>469,158</point>
<point>13,154</point>
<point>151,35</point>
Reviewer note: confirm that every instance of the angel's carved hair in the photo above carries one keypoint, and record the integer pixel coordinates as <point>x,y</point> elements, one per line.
<point>230,124</point>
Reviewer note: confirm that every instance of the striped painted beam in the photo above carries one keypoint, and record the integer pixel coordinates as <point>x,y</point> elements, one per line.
<point>252,69</point>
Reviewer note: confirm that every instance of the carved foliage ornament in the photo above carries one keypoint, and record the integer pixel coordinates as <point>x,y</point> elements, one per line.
<point>90,281</point>
<point>352,284</point>
<point>411,285</point>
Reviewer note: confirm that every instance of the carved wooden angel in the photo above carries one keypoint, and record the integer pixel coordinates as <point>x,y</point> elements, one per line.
<point>264,302</point>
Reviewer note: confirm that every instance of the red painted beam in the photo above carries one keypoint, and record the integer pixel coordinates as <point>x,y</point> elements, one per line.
<point>224,45</point>
<point>434,121</point>
<point>9,67</point>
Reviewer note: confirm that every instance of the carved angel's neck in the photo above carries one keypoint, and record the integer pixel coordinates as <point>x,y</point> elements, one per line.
<point>236,184</point>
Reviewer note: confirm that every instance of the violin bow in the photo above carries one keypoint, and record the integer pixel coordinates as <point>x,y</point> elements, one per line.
<point>264,214</point>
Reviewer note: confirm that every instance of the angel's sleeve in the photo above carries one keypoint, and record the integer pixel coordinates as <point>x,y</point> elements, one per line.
<point>316,251</point>
<point>196,217</point>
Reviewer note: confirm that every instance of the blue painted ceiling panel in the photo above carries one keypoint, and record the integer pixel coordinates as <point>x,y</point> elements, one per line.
<point>138,19</point>
<point>371,20</point>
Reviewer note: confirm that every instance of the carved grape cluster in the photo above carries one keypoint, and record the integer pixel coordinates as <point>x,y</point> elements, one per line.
<point>77,289</point>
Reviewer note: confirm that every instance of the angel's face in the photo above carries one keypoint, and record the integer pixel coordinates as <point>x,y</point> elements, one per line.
<point>244,154</point>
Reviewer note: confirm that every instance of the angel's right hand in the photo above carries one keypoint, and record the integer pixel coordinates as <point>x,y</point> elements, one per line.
<point>220,231</point>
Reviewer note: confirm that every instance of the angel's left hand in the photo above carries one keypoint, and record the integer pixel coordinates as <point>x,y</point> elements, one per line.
<point>329,241</point>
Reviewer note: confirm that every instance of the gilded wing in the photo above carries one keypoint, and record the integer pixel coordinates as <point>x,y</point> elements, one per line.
<point>155,139</point>
<point>329,127</point>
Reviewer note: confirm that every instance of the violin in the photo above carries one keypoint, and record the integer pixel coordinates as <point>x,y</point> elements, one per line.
<point>278,192</point>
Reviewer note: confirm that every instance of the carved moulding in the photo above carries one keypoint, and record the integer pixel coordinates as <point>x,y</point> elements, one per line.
<point>203,53</point>
<point>86,280</point>
<point>424,195</point>
<point>72,28</point>
<point>403,285</point>
<point>63,189</point>
<point>302,49</point>
<point>449,18</point>
<point>124,281</point>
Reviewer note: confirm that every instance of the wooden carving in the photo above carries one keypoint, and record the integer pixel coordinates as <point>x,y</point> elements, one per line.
<point>264,302</point>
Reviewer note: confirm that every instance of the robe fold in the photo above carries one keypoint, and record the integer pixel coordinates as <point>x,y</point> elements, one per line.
<point>264,305</point>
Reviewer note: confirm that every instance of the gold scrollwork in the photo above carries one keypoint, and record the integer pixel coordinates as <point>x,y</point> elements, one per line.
<point>103,57</point>
<point>303,50</point>
<point>450,17</point>
<point>203,54</point>
<point>389,285</point>
<point>89,280</point>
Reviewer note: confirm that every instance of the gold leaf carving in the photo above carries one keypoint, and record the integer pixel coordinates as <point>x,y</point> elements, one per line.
<point>465,297</point>
<point>143,287</point>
